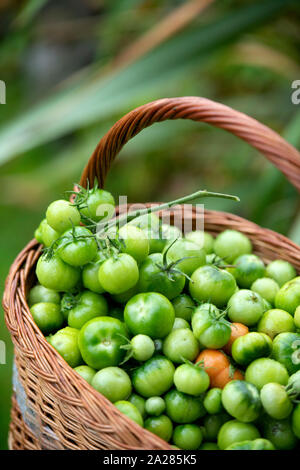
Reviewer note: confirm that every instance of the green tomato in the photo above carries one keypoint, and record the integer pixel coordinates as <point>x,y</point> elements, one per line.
<point>210,329</point>
<point>211,284</point>
<point>280,433</point>
<point>41,294</point>
<point>281,271</point>
<point>256,444</point>
<point>191,379</point>
<point>48,235</point>
<point>87,305</point>
<point>264,370</point>
<point>139,402</point>
<point>248,268</point>
<point>209,446</point>
<point>230,244</point>
<point>187,436</point>
<point>100,340</point>
<point>266,288</point>
<point>47,316</point>
<point>62,216</point>
<point>156,277</point>
<point>128,409</point>
<point>288,297</point>
<point>183,408</point>
<point>241,400</point>
<point>297,317</point>
<point>245,307</point>
<point>38,233</point>
<point>134,242</point>
<point>286,350</point>
<point>77,246</point>
<point>182,248</point>
<point>276,401</point>
<point>235,431</point>
<point>97,204</point>
<point>151,314</point>
<point>114,383</point>
<point>213,424</point>
<point>215,260</point>
<point>154,377</point>
<point>213,401</point>
<point>180,323</point>
<point>251,346</point>
<point>180,345</point>
<point>142,347</point>
<point>65,342</point>
<point>203,239</point>
<point>296,420</point>
<point>183,306</point>
<point>57,275</point>
<point>118,273</point>
<point>276,321</point>
<point>90,278</point>
<point>161,426</point>
<point>155,406</point>
<point>86,372</point>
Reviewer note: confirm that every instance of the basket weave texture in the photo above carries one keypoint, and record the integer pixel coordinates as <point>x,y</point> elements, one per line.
<point>52,406</point>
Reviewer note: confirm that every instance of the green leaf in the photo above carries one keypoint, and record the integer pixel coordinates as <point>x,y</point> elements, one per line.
<point>93,97</point>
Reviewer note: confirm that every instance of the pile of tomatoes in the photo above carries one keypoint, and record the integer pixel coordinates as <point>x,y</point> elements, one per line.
<point>190,336</point>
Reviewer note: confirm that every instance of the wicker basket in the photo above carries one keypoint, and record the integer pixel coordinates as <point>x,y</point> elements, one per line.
<point>52,406</point>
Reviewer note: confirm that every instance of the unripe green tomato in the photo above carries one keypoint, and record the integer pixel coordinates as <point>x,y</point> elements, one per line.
<point>247,269</point>
<point>130,410</point>
<point>154,377</point>
<point>213,401</point>
<point>183,408</point>
<point>276,321</point>
<point>86,372</point>
<point>62,216</point>
<point>230,244</point>
<point>203,239</point>
<point>118,273</point>
<point>276,401</point>
<point>47,316</point>
<point>181,344</point>
<point>134,242</point>
<point>139,402</point>
<point>281,271</point>
<point>114,383</point>
<point>288,297</point>
<point>191,379</point>
<point>234,431</point>
<point>251,346</point>
<point>212,425</point>
<point>187,436</point>
<point>65,341</point>
<point>183,306</point>
<point>241,400</point>
<point>155,406</point>
<point>245,307</point>
<point>161,426</point>
<point>188,252</point>
<point>286,350</point>
<point>265,370</point>
<point>48,234</point>
<point>267,288</point>
<point>280,433</point>
<point>41,294</point>
<point>98,205</point>
<point>56,274</point>
<point>180,323</point>
<point>142,347</point>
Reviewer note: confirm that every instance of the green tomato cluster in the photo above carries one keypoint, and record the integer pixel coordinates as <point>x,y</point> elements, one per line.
<point>133,315</point>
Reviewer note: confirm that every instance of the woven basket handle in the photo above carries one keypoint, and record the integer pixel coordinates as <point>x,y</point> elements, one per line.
<point>269,143</point>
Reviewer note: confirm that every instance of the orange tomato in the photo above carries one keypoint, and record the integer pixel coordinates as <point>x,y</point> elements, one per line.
<point>237,330</point>
<point>217,366</point>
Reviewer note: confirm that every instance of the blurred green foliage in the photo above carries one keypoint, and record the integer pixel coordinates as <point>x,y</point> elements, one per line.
<point>65,88</point>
